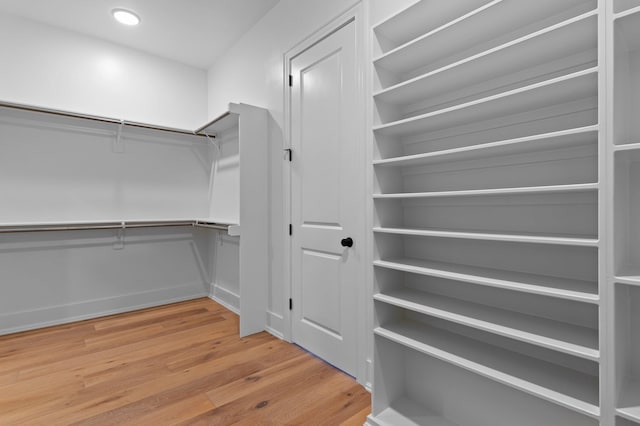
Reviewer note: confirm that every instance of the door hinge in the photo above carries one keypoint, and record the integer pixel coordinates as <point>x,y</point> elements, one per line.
<point>290,80</point>
<point>289,154</point>
<point>290,304</point>
<point>290,229</point>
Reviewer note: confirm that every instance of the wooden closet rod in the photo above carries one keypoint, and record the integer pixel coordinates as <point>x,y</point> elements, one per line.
<point>5,229</point>
<point>102,119</point>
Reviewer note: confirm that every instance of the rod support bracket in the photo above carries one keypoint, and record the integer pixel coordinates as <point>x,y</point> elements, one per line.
<point>118,144</point>
<point>118,244</point>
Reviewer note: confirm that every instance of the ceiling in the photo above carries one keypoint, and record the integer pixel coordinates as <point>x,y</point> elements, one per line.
<point>194,32</point>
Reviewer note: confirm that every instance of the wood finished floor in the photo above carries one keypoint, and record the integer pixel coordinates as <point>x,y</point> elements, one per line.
<point>180,364</point>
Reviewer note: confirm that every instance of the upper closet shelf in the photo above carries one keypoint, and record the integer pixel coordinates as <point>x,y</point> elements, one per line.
<point>488,22</point>
<point>559,41</point>
<point>568,88</point>
<point>498,191</point>
<point>563,386</point>
<point>95,118</point>
<point>226,121</point>
<point>521,238</point>
<point>120,224</point>
<point>563,288</point>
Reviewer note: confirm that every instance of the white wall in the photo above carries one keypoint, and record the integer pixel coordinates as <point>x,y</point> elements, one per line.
<point>380,10</point>
<point>252,72</point>
<point>49,278</point>
<point>58,170</point>
<point>46,66</point>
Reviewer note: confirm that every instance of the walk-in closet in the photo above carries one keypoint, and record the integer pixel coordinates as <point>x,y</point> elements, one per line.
<point>337,212</point>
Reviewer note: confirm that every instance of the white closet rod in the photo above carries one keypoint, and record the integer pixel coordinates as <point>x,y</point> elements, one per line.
<point>103,119</point>
<point>110,225</point>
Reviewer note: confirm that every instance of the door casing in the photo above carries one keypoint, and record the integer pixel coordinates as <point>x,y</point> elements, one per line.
<point>364,302</point>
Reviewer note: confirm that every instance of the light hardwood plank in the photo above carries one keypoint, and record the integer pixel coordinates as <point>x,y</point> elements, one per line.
<point>175,364</point>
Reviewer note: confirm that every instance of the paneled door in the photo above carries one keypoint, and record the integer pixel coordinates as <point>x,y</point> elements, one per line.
<point>326,185</point>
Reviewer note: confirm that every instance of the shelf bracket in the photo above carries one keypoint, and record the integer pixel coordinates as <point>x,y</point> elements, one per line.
<point>118,144</point>
<point>213,142</point>
<point>118,244</point>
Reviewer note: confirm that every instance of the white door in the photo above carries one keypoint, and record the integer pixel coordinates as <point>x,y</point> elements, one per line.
<point>327,185</point>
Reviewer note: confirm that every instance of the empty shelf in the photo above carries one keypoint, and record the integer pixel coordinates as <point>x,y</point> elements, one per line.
<point>410,23</point>
<point>496,191</point>
<point>550,334</point>
<point>629,279</point>
<point>568,88</point>
<point>581,291</point>
<point>405,412</point>
<point>542,142</point>
<point>629,405</point>
<point>628,274</point>
<point>628,12</point>
<point>489,21</point>
<point>518,238</point>
<point>627,147</point>
<point>559,41</point>
<point>563,386</point>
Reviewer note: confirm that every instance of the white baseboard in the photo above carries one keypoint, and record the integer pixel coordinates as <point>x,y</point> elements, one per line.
<point>369,379</point>
<point>226,298</point>
<point>371,421</point>
<point>15,322</point>
<point>275,324</point>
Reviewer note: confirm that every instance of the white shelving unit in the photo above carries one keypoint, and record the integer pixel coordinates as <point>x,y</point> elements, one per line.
<point>128,208</point>
<point>628,351</point>
<point>240,177</point>
<point>487,196</point>
<point>624,268</point>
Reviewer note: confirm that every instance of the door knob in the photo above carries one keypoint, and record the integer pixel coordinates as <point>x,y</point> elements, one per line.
<point>347,242</point>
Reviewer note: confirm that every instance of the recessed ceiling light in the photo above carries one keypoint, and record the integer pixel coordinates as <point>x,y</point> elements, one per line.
<point>125,17</point>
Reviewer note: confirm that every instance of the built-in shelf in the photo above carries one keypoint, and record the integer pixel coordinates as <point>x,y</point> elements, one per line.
<point>629,404</point>
<point>564,89</point>
<point>548,141</point>
<point>563,386</point>
<point>577,290</point>
<point>519,238</point>
<point>627,321</point>
<point>498,191</point>
<point>628,275</point>
<point>562,337</point>
<point>634,9</point>
<point>411,23</point>
<point>629,279</point>
<point>487,183</point>
<point>405,412</point>
<point>621,421</point>
<point>560,41</point>
<point>627,207</point>
<point>627,147</point>
<point>438,44</point>
<point>624,132</point>
<point>626,68</point>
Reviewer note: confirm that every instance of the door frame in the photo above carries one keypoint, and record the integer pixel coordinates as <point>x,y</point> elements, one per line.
<point>363,316</point>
